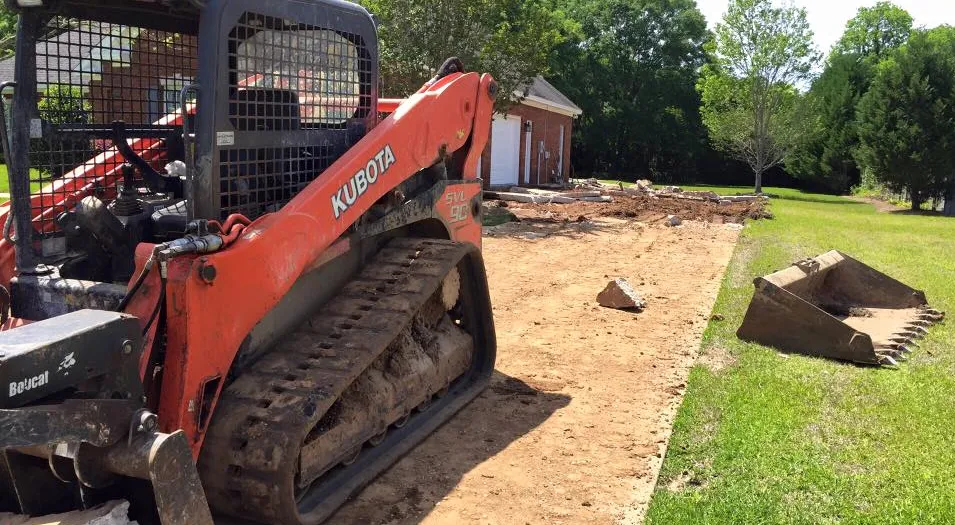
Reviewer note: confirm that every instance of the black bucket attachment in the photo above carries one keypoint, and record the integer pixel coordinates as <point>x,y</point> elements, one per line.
<point>837,307</point>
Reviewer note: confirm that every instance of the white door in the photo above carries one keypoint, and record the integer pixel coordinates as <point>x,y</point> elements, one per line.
<point>505,150</point>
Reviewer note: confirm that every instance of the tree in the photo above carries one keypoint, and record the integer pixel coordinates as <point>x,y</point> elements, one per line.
<point>750,104</point>
<point>62,104</point>
<point>510,39</point>
<point>907,118</point>
<point>8,31</point>
<point>631,65</point>
<point>823,156</point>
<point>875,31</point>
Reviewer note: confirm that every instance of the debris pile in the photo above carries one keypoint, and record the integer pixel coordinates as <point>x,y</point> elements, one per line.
<point>592,190</point>
<point>644,209</point>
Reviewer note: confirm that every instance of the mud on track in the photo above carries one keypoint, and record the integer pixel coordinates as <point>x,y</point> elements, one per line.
<point>577,417</point>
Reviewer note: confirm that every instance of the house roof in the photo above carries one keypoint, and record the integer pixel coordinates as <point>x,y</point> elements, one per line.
<point>541,94</point>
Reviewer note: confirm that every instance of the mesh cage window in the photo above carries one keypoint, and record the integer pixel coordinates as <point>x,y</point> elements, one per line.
<point>89,75</point>
<point>289,83</point>
<point>316,69</point>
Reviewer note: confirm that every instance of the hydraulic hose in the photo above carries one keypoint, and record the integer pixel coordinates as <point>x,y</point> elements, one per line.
<point>158,308</point>
<point>136,286</point>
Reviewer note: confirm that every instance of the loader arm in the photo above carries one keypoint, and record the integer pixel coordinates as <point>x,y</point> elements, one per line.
<point>257,271</point>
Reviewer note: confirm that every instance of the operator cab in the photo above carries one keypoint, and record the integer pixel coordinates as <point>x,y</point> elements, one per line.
<point>130,120</point>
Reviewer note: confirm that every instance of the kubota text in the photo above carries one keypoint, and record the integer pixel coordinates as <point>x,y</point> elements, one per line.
<point>360,182</point>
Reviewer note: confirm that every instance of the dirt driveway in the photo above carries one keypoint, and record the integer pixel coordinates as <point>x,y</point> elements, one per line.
<point>579,411</point>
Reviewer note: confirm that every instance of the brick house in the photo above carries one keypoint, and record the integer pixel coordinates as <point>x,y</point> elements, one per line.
<point>122,73</point>
<point>530,146</point>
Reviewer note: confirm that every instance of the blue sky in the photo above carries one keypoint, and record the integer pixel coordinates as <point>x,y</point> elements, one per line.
<point>828,17</point>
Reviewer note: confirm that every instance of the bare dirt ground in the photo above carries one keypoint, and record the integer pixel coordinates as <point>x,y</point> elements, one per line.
<point>880,205</point>
<point>574,425</point>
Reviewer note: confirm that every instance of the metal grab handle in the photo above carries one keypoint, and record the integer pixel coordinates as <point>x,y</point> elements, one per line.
<point>189,144</point>
<point>5,139</point>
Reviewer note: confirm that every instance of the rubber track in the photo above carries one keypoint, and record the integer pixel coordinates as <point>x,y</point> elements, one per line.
<point>251,450</point>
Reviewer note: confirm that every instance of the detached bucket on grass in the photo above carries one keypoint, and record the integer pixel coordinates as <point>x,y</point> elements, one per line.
<point>835,306</point>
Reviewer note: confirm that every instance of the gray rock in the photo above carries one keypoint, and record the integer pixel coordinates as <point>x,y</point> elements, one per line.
<point>673,220</point>
<point>620,295</point>
<point>112,513</point>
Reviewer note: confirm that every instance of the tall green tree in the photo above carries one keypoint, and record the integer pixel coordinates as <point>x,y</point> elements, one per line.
<point>907,118</point>
<point>825,155</point>
<point>750,104</point>
<point>875,31</point>
<point>510,39</point>
<point>631,66</point>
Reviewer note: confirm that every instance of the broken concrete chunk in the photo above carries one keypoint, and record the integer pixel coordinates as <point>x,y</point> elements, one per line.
<point>743,198</point>
<point>560,199</point>
<point>578,194</point>
<point>112,513</point>
<point>673,220</point>
<point>620,295</point>
<point>602,198</point>
<point>705,195</point>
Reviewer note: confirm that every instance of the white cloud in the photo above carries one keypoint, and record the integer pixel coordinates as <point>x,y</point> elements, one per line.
<point>828,17</point>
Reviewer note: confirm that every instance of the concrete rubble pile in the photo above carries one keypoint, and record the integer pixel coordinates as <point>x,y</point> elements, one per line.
<point>592,190</point>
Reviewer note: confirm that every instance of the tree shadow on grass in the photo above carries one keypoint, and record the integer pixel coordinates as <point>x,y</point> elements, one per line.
<point>408,492</point>
<point>923,213</point>
<point>825,199</point>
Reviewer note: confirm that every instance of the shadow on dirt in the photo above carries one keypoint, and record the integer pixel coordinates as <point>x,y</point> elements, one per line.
<point>408,492</point>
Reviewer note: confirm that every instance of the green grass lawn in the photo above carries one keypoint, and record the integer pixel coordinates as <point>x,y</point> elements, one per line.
<point>5,182</point>
<point>790,439</point>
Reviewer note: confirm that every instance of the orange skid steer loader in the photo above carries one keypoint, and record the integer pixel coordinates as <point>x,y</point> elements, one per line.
<point>230,287</point>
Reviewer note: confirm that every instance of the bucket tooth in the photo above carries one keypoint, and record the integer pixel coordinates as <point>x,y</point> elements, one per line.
<point>898,347</point>
<point>888,352</point>
<point>816,307</point>
<point>887,361</point>
<point>904,340</point>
